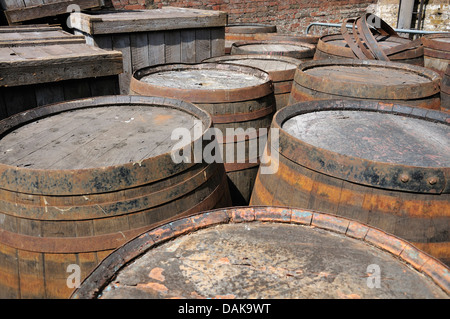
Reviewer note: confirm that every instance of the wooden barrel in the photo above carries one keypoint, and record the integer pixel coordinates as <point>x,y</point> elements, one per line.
<point>334,46</point>
<point>238,98</point>
<point>245,32</point>
<point>80,178</point>
<point>383,164</point>
<point>445,90</point>
<point>366,80</point>
<point>281,70</point>
<point>436,50</point>
<point>297,50</point>
<point>266,253</point>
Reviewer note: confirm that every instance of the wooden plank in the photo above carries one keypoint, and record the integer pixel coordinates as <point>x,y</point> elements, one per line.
<point>156,49</point>
<point>17,100</point>
<point>76,89</point>
<point>31,272</point>
<point>148,20</point>
<point>121,42</point>
<point>217,42</point>
<point>12,4</point>
<point>202,44</point>
<point>139,50</point>
<point>188,45</point>
<point>48,93</point>
<point>103,42</point>
<point>173,46</point>
<point>47,10</point>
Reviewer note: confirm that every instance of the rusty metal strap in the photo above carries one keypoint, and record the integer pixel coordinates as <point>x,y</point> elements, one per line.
<point>243,117</point>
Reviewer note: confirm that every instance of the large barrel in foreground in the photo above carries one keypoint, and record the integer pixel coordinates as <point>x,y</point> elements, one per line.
<point>240,100</point>
<point>80,178</point>
<point>280,68</point>
<point>366,80</point>
<point>385,165</point>
<point>266,253</point>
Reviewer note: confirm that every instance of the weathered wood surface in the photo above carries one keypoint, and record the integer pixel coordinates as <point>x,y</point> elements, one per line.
<point>281,70</point>
<point>12,37</point>
<point>236,97</point>
<point>357,79</point>
<point>166,18</point>
<point>21,11</point>
<point>386,165</point>
<point>259,252</point>
<point>98,172</point>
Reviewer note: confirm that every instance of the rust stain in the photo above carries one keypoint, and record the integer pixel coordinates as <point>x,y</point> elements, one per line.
<point>153,286</point>
<point>161,119</point>
<point>156,273</point>
<point>223,260</point>
<point>229,296</point>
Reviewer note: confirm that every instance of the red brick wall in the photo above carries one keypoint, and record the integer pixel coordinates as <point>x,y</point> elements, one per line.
<point>290,16</point>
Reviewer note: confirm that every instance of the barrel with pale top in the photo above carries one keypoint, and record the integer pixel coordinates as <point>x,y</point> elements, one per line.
<point>80,178</point>
<point>366,80</point>
<point>280,68</point>
<point>383,164</point>
<point>293,49</point>
<point>436,50</point>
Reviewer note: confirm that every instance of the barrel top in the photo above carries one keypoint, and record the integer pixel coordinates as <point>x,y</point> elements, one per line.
<point>369,74</point>
<point>274,47</point>
<point>215,255</point>
<point>265,64</point>
<point>375,136</point>
<point>209,79</point>
<point>94,137</point>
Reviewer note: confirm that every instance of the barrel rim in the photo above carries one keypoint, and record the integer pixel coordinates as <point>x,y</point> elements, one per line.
<point>355,169</point>
<point>251,28</point>
<point>91,287</point>
<point>323,45</point>
<point>309,53</point>
<point>83,181</point>
<point>430,41</point>
<point>202,95</point>
<point>368,90</point>
<point>276,76</point>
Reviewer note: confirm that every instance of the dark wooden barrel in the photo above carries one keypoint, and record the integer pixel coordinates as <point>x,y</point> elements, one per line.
<point>334,46</point>
<point>445,90</point>
<point>245,32</point>
<point>80,178</point>
<point>280,68</point>
<point>237,97</point>
<point>436,50</point>
<point>383,164</point>
<point>297,50</point>
<point>366,80</point>
<point>266,253</point>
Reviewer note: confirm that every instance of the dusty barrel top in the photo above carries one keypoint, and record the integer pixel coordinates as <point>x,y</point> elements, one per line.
<point>249,28</point>
<point>279,67</point>
<point>256,252</point>
<point>371,143</point>
<point>77,143</point>
<point>293,49</point>
<point>368,79</point>
<point>437,41</point>
<point>202,82</point>
<point>165,18</point>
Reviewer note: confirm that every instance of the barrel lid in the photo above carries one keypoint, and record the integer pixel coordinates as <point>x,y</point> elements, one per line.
<point>368,79</point>
<point>387,146</point>
<point>294,49</point>
<point>256,252</point>
<point>94,145</point>
<point>280,68</point>
<point>250,28</point>
<point>202,82</point>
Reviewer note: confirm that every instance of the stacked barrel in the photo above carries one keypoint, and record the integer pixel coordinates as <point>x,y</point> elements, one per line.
<point>231,144</point>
